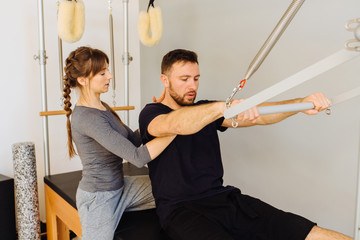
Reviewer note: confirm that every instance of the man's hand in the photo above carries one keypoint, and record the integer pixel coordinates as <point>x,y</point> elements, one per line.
<point>320,101</point>
<point>249,116</point>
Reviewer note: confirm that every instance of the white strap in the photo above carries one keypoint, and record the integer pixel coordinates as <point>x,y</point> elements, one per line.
<point>346,96</point>
<point>308,73</point>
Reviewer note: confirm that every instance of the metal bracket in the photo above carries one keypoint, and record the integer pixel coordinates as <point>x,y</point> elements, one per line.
<point>41,57</point>
<point>126,58</point>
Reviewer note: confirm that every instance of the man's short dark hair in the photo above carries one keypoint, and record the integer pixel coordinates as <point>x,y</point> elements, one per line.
<point>177,55</point>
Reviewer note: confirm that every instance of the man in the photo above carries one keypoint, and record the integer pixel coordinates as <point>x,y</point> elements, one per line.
<point>192,202</point>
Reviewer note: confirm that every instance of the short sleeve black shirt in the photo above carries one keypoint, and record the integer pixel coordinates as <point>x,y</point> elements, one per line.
<point>189,168</point>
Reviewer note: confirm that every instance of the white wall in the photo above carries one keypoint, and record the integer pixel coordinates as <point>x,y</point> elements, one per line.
<point>21,95</point>
<point>307,165</point>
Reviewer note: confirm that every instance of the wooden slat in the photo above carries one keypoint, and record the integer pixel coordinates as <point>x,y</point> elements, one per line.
<point>62,112</point>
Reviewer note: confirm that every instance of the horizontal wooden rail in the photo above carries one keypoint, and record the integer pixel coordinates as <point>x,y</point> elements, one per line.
<point>62,112</point>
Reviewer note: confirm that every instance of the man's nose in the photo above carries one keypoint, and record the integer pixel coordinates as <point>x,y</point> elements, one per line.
<point>192,84</point>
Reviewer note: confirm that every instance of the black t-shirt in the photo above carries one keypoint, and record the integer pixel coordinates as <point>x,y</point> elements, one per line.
<point>189,168</point>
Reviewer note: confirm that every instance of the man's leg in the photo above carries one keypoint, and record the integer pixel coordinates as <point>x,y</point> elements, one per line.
<point>318,233</point>
<point>185,224</point>
<point>285,225</point>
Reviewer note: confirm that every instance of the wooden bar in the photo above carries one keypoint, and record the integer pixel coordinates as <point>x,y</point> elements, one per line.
<point>62,112</point>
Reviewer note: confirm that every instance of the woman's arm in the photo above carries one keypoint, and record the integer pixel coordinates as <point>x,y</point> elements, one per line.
<point>100,130</point>
<point>157,145</point>
<point>134,136</point>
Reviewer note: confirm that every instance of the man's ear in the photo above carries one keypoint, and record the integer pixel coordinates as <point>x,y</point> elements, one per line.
<point>82,81</point>
<point>165,80</point>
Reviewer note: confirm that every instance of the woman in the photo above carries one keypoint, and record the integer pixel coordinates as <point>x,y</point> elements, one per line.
<point>102,142</point>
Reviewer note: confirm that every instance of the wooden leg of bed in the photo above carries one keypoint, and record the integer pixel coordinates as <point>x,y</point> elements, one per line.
<point>63,230</point>
<point>60,217</point>
<point>51,225</point>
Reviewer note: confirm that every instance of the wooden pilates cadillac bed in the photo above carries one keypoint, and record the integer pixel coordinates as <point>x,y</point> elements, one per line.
<point>62,215</point>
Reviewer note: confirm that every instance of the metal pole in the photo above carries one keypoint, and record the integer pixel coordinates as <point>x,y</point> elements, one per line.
<point>112,49</point>
<point>42,61</point>
<point>61,66</point>
<point>61,59</point>
<point>268,45</point>
<point>309,105</point>
<point>294,107</point>
<point>126,59</point>
<point>357,213</point>
<point>274,37</point>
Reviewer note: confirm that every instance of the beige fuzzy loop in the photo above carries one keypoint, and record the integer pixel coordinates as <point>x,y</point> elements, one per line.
<point>71,20</point>
<point>153,21</point>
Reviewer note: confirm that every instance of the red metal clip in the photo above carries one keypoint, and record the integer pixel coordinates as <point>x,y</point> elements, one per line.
<point>242,83</point>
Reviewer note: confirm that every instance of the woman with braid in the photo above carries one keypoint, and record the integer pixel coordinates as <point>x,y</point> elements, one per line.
<point>102,142</point>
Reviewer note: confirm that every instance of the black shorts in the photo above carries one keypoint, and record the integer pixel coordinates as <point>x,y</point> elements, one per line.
<point>232,215</point>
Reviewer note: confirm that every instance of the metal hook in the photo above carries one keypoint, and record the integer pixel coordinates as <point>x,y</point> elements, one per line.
<point>353,44</point>
<point>354,47</point>
<point>235,90</point>
<point>348,23</point>
<point>234,123</point>
<point>328,111</point>
<point>228,102</point>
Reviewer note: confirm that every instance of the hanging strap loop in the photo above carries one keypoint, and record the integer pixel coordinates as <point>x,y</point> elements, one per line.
<point>151,3</point>
<point>150,21</point>
<point>71,20</point>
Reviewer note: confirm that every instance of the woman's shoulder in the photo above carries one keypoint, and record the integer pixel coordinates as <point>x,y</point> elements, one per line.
<point>87,115</point>
<point>83,110</point>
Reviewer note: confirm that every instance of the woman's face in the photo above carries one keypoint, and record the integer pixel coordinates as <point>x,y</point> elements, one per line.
<point>101,81</point>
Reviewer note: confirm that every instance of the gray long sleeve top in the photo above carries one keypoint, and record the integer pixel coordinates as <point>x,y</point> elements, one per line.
<point>102,142</point>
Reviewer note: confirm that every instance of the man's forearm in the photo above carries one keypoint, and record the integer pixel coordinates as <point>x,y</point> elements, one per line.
<point>276,117</point>
<point>186,120</point>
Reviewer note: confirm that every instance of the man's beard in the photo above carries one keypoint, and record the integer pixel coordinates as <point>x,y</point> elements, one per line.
<point>181,99</point>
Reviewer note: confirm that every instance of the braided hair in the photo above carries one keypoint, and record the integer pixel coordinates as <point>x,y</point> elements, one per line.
<point>82,62</point>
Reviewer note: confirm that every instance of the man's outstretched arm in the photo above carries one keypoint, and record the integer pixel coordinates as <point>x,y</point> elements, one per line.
<point>252,117</point>
<point>186,120</point>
